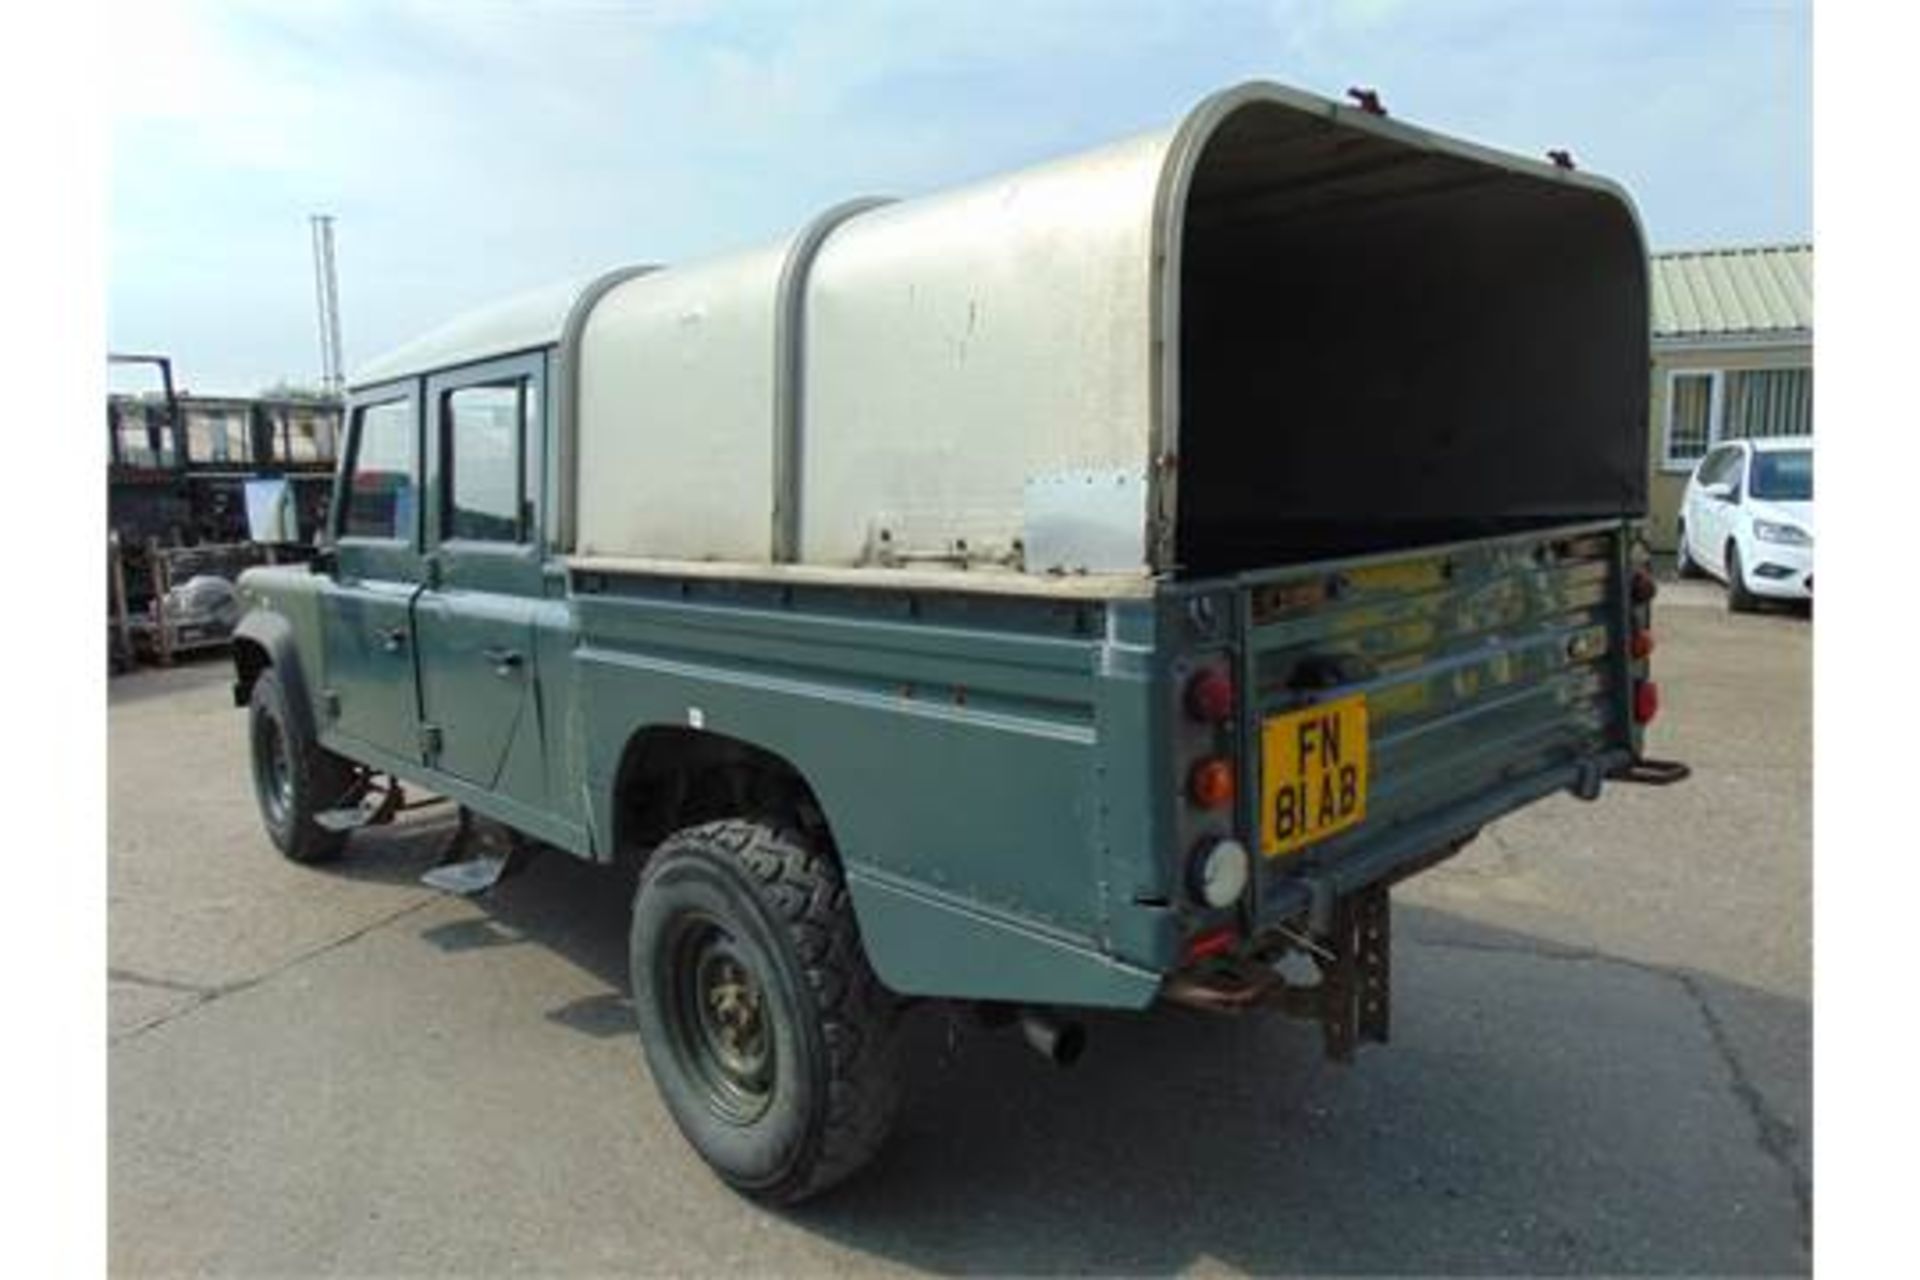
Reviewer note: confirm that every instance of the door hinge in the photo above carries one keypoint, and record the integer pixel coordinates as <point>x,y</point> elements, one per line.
<point>430,742</point>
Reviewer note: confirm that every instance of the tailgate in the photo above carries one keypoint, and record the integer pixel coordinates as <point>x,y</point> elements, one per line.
<point>1396,703</point>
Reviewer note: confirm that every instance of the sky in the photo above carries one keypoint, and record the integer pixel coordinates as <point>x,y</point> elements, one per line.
<point>470,149</point>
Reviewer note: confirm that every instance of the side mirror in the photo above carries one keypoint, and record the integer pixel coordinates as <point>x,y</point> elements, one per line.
<point>326,560</point>
<point>1719,492</point>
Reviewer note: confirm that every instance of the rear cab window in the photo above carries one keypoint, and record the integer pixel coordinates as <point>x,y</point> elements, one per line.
<point>486,486</point>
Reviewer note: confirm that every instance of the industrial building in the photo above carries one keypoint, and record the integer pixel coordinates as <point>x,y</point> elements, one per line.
<point>1732,359</point>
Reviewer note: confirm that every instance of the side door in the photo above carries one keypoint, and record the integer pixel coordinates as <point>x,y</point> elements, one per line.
<point>368,689</point>
<point>474,622</point>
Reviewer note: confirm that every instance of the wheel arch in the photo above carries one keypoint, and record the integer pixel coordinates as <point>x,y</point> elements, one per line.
<point>265,641</point>
<point>673,776</point>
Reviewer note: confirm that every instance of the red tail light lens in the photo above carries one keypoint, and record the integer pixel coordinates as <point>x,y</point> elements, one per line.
<point>1210,695</point>
<point>1641,645</point>
<point>1646,701</point>
<point>1643,586</point>
<point>1211,943</point>
<point>1210,784</point>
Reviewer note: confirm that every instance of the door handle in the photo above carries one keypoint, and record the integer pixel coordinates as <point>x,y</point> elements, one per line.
<point>505,661</point>
<point>393,639</point>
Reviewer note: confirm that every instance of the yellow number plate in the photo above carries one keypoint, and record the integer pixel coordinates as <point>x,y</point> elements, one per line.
<point>1313,773</point>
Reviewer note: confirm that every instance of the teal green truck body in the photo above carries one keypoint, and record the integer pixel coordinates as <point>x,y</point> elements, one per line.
<point>998,773</point>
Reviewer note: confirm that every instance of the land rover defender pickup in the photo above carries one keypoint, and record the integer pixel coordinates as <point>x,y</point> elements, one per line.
<point>1089,588</point>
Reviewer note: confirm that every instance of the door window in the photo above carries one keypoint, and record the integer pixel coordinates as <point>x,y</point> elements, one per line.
<point>487,492</point>
<point>380,495</point>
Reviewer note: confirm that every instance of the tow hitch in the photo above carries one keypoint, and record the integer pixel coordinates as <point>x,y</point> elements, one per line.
<point>1352,999</point>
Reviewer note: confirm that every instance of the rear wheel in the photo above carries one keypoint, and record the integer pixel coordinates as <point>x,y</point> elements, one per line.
<point>1739,599</point>
<point>768,1035</point>
<point>293,776</point>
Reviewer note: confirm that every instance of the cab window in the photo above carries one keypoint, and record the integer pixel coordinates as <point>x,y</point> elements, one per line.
<point>379,494</point>
<point>486,491</point>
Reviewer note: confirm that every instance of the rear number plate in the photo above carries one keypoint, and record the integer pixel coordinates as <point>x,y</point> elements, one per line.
<point>1313,773</point>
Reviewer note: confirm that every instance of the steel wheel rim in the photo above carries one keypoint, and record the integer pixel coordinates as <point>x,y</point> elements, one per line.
<point>276,767</point>
<point>722,1021</point>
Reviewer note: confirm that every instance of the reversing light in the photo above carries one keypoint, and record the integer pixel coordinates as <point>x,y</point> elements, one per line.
<point>1210,695</point>
<point>1210,784</point>
<point>1646,701</point>
<point>1641,645</point>
<point>1220,871</point>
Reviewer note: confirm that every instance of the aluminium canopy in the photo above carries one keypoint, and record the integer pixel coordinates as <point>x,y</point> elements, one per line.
<point>1280,329</point>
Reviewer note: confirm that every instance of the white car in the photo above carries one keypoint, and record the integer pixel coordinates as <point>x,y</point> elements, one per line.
<point>1747,519</point>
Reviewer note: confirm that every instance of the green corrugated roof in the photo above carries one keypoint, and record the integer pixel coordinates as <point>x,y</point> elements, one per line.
<point>1765,289</point>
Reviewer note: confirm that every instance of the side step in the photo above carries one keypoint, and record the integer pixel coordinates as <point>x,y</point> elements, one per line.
<point>474,876</point>
<point>467,869</point>
<point>374,804</point>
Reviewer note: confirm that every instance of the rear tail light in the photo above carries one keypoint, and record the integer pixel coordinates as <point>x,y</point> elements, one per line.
<point>1210,784</point>
<point>1211,943</point>
<point>1646,701</point>
<point>1210,695</point>
<point>1641,645</point>
<point>1643,586</point>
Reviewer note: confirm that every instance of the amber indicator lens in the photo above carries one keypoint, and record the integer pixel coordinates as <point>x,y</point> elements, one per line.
<point>1641,646</point>
<point>1210,785</point>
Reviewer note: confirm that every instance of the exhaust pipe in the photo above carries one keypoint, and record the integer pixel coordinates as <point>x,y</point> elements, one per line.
<point>1060,1043</point>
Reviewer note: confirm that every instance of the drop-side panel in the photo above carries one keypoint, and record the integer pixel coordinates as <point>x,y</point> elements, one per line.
<point>954,744</point>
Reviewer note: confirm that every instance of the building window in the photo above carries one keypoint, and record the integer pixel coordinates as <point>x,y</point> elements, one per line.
<point>1693,403</point>
<point>1706,406</point>
<point>1768,402</point>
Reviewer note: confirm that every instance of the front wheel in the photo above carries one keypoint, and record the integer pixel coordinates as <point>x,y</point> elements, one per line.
<point>768,1035</point>
<point>294,777</point>
<point>1739,599</point>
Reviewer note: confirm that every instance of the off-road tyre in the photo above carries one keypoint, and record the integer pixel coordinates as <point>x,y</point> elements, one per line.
<point>1739,599</point>
<point>766,901</point>
<point>1684,565</point>
<point>293,776</point>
